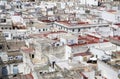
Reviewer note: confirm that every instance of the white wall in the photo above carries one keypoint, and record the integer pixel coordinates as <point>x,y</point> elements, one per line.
<point>63,41</point>
<point>20,68</point>
<point>108,16</point>
<point>117,32</point>
<point>78,58</point>
<point>97,52</point>
<point>89,2</point>
<point>4,56</point>
<point>92,2</point>
<point>7,35</point>
<point>107,71</point>
<point>101,45</point>
<point>72,41</point>
<point>90,74</point>
<point>67,52</point>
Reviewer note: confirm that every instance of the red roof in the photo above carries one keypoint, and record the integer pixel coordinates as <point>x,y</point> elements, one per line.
<point>117,52</point>
<point>88,39</point>
<point>111,10</point>
<point>48,21</point>
<point>29,76</point>
<point>115,37</point>
<point>85,77</point>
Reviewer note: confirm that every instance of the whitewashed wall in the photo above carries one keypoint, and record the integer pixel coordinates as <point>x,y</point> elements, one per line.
<point>107,71</point>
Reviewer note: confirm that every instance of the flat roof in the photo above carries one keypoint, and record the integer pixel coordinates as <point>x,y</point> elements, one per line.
<point>44,34</point>
<point>69,24</point>
<point>79,24</point>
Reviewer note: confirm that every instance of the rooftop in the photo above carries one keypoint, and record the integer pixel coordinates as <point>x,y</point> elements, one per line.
<point>75,24</point>
<point>82,54</point>
<point>88,39</point>
<point>44,34</point>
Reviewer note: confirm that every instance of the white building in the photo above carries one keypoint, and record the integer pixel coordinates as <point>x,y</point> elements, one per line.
<point>89,2</point>
<point>107,71</point>
<point>111,16</point>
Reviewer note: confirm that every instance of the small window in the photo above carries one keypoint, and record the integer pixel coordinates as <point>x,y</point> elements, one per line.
<point>39,30</point>
<point>6,35</point>
<point>10,28</point>
<point>78,30</point>
<point>32,55</point>
<point>73,30</point>
<point>1,47</point>
<point>57,44</point>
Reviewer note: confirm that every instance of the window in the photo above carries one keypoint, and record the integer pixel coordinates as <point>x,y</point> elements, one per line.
<point>10,28</point>
<point>39,30</point>
<point>43,29</point>
<point>4,71</point>
<point>3,20</point>
<point>15,70</point>
<point>1,47</point>
<point>73,30</point>
<point>78,30</point>
<point>32,55</point>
